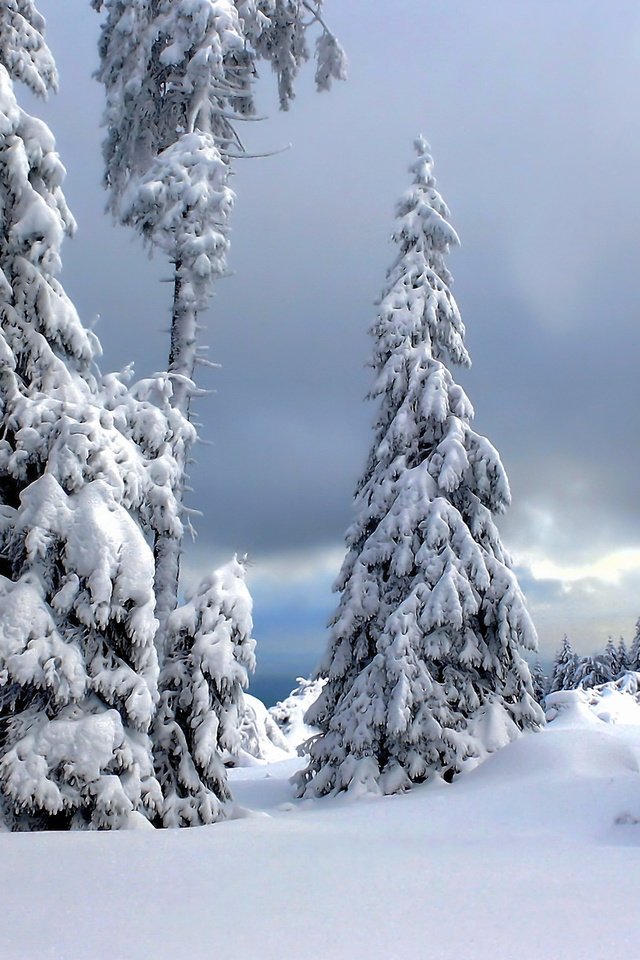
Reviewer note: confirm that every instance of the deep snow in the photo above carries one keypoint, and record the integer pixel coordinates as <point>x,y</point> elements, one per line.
<point>534,854</point>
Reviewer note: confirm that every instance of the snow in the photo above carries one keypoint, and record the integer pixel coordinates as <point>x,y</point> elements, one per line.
<point>289,713</point>
<point>535,853</point>
<point>274,734</point>
<point>261,740</point>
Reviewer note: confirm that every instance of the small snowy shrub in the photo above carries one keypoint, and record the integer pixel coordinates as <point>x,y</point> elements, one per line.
<point>209,653</point>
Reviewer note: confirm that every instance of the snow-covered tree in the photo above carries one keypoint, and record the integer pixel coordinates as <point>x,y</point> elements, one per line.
<point>86,469</point>
<point>610,660</point>
<point>261,739</point>
<point>634,649</point>
<point>592,670</point>
<point>564,668</point>
<point>622,657</point>
<point>289,713</point>
<point>209,652</point>
<point>539,683</point>
<point>425,654</point>
<point>178,77</point>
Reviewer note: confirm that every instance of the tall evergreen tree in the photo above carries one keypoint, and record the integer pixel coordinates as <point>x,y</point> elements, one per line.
<point>539,683</point>
<point>86,469</point>
<point>178,76</point>
<point>425,652</point>
<point>634,649</point>
<point>564,668</point>
<point>623,657</point>
<point>610,660</point>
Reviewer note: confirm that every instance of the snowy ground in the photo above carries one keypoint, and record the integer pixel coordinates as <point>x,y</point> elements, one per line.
<point>535,854</point>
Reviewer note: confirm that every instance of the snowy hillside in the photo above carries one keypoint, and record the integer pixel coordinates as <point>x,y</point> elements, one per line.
<point>534,854</point>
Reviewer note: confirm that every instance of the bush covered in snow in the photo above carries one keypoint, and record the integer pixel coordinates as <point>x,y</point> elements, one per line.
<point>261,739</point>
<point>209,653</point>
<point>289,714</point>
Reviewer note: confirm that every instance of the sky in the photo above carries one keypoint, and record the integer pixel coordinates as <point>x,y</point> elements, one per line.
<point>531,108</point>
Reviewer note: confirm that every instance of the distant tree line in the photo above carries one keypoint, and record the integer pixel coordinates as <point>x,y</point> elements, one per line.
<point>571,671</point>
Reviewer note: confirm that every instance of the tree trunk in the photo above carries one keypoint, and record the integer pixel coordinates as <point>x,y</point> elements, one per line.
<point>182,360</point>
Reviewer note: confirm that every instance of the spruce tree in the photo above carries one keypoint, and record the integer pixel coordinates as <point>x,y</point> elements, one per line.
<point>591,671</point>
<point>623,657</point>
<point>86,467</point>
<point>425,652</point>
<point>178,77</point>
<point>634,649</point>
<point>564,668</point>
<point>539,683</point>
<point>610,660</point>
<point>162,64</point>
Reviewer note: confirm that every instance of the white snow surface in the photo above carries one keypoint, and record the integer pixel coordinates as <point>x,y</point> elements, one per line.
<point>534,854</point>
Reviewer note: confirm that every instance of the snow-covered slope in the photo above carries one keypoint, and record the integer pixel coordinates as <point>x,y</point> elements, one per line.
<point>534,854</point>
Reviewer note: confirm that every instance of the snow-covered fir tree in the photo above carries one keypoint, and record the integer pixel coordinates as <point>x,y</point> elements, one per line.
<point>539,683</point>
<point>623,657</point>
<point>425,655</point>
<point>611,660</point>
<point>86,469</point>
<point>564,668</point>
<point>634,649</point>
<point>161,63</point>
<point>209,654</point>
<point>178,77</point>
<point>592,670</point>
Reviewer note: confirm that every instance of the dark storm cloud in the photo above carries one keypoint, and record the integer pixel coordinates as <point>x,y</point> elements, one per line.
<point>531,111</point>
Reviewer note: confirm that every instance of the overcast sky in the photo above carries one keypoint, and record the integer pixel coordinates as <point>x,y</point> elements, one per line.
<point>532,111</point>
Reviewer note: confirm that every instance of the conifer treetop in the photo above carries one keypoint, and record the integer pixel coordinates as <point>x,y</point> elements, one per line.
<point>277,31</point>
<point>172,67</point>
<point>418,303</point>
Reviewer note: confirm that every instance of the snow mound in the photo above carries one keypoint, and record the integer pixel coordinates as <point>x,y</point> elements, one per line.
<point>580,742</point>
<point>289,713</point>
<point>615,702</point>
<point>582,749</point>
